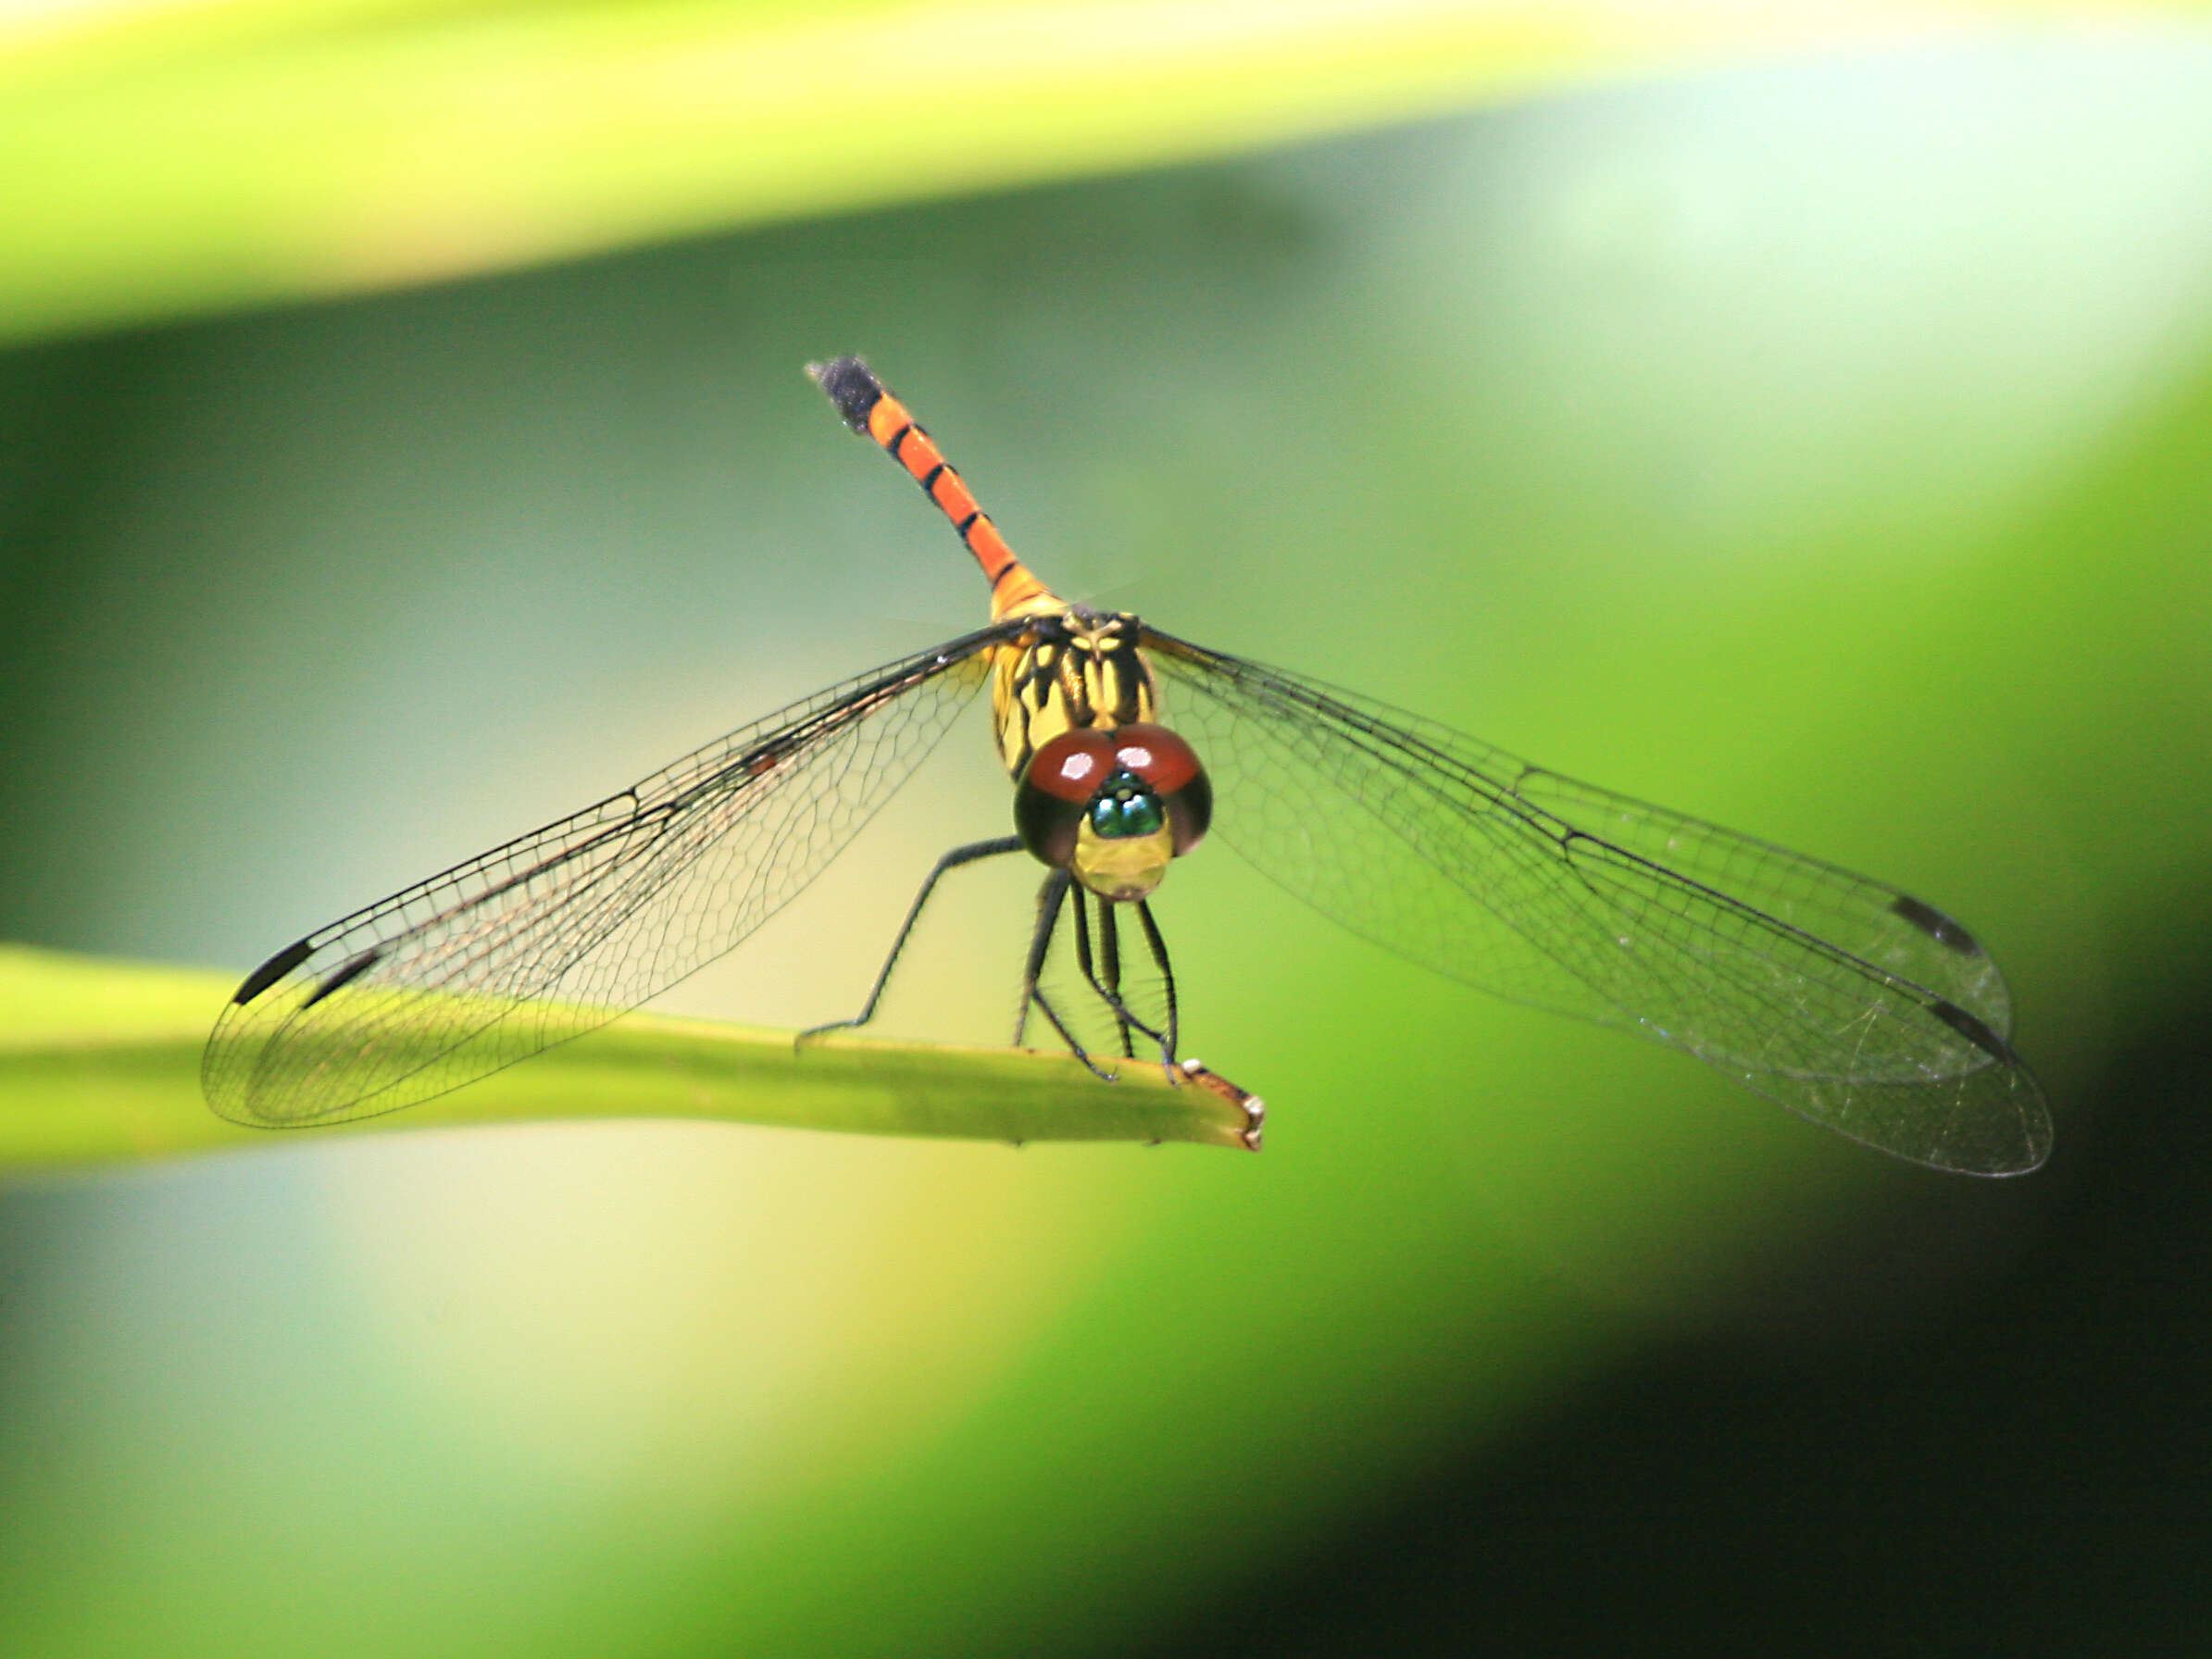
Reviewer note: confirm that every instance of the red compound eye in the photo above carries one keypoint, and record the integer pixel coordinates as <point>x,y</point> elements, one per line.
<point>1056,787</point>
<point>1073,765</point>
<point>1157,755</point>
<point>1066,775</point>
<point>1172,767</point>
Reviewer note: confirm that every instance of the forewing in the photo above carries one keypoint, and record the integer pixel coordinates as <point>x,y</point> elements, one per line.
<point>1846,1001</point>
<point>561,931</point>
<point>1891,930</point>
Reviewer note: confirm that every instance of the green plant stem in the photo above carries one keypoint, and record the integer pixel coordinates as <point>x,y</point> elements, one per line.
<point>99,1063</point>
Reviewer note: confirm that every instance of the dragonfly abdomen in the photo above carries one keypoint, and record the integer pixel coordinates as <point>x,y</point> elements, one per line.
<point>870,409</point>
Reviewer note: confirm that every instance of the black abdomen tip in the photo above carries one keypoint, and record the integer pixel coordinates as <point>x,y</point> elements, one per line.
<point>852,386</point>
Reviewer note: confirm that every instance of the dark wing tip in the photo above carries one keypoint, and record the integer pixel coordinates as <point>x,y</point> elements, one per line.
<point>1935,924</point>
<point>269,972</point>
<point>344,975</point>
<point>1973,1030</point>
<point>852,386</point>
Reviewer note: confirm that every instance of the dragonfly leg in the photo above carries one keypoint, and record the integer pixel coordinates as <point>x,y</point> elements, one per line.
<point>1110,962</point>
<point>1107,983</point>
<point>951,861</point>
<point>1106,980</point>
<point>1158,947</point>
<point>1051,899</point>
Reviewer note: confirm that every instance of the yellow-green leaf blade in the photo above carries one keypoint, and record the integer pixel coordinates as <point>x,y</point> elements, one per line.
<point>99,1062</point>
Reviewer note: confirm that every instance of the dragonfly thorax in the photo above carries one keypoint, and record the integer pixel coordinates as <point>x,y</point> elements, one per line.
<point>1076,670</point>
<point>1113,807</point>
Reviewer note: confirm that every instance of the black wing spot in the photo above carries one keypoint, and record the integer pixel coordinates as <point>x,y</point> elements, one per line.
<point>269,972</point>
<point>346,976</point>
<point>1972,1029</point>
<point>851,386</point>
<point>1935,924</point>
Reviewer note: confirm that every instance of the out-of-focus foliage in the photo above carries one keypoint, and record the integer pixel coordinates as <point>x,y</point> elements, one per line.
<point>158,159</point>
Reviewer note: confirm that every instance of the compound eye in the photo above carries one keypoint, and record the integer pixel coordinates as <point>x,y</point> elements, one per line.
<point>1155,754</point>
<point>1056,789</point>
<point>1170,766</point>
<point>1073,765</point>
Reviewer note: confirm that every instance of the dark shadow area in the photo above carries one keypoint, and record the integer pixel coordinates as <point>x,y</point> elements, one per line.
<point>2025,1474</point>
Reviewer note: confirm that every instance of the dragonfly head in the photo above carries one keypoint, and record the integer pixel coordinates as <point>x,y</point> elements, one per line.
<point>1112,807</point>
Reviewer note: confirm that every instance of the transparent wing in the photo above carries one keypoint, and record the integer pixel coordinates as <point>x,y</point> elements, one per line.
<point>560,932</point>
<point>1858,1005</point>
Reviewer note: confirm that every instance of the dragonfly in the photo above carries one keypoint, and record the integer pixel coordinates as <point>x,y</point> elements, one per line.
<point>1849,1002</point>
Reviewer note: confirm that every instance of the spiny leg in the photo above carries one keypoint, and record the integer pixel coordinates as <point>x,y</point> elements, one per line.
<point>951,861</point>
<point>1110,953</point>
<point>1159,954</point>
<point>1051,893</point>
<point>1108,986</point>
<point>1051,898</point>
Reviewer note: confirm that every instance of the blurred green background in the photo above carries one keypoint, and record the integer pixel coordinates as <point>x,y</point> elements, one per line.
<point>1818,444</point>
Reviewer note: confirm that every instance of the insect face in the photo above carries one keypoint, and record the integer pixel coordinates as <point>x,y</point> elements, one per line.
<point>1113,807</point>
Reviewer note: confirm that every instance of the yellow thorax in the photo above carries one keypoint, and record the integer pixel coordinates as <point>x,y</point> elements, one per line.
<point>1080,669</point>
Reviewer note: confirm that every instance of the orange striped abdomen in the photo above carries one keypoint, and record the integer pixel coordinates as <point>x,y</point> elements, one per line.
<point>868,408</point>
<point>1079,668</point>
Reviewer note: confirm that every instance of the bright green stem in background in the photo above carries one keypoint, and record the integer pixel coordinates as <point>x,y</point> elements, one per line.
<point>100,1061</point>
<point>158,161</point>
